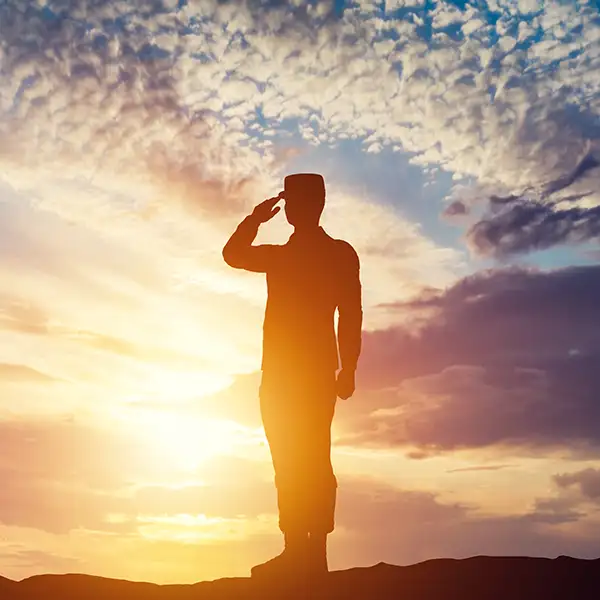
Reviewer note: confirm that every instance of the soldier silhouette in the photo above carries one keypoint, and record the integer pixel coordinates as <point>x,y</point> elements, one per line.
<point>308,278</point>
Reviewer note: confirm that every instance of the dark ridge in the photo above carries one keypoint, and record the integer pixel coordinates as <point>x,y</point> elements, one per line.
<point>480,577</point>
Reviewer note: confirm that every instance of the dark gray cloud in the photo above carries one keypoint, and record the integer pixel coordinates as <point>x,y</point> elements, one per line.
<point>526,225</point>
<point>390,506</point>
<point>584,167</point>
<point>555,510</point>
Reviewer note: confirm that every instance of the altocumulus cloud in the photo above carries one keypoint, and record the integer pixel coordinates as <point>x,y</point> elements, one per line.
<point>121,110</point>
<point>194,94</point>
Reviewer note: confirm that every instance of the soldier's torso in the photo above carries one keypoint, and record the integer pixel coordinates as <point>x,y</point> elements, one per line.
<point>304,286</point>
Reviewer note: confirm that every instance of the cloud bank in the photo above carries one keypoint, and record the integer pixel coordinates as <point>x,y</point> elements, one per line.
<point>505,358</point>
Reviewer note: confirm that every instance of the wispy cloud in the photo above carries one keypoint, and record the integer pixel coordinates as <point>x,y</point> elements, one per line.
<point>480,468</point>
<point>12,373</point>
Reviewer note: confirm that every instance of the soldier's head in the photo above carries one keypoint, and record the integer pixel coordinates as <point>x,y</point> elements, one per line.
<point>304,195</point>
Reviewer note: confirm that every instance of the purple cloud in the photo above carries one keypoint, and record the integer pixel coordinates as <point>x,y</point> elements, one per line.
<point>587,481</point>
<point>505,357</point>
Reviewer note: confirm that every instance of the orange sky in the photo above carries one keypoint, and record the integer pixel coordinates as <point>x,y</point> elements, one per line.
<point>132,142</point>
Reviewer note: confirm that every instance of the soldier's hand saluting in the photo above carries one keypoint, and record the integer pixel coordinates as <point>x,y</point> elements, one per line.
<point>266,210</point>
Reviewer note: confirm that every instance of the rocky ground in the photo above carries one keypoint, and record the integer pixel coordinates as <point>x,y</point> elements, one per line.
<point>482,577</point>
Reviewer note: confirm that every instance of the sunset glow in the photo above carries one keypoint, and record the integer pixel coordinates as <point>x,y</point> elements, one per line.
<point>460,147</point>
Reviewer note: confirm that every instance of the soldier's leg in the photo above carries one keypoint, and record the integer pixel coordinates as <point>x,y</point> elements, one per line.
<point>297,414</point>
<point>318,478</point>
<point>281,432</point>
<point>284,424</point>
<point>298,424</point>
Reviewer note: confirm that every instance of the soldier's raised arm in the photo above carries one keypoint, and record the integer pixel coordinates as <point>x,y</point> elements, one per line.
<point>239,252</point>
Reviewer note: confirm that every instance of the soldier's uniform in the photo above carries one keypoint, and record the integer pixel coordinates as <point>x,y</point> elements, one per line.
<point>308,278</point>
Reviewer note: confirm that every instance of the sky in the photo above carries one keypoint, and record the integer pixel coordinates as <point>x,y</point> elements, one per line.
<point>460,143</point>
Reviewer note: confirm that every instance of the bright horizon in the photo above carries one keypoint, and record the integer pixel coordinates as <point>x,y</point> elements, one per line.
<point>459,142</point>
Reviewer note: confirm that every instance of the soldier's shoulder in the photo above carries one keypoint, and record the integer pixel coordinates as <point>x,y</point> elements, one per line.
<point>345,249</point>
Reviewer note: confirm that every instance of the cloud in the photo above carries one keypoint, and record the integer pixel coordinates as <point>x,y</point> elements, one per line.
<point>586,481</point>
<point>21,373</point>
<point>24,318</point>
<point>70,451</point>
<point>39,502</point>
<point>233,487</point>
<point>522,226</point>
<point>118,61</point>
<point>389,505</point>
<point>402,526</point>
<point>106,304</point>
<point>196,96</point>
<point>78,492</point>
<point>109,476</point>
<point>555,510</point>
<point>477,407</point>
<point>230,506</point>
<point>23,558</point>
<point>480,468</point>
<point>504,358</point>
<point>507,317</point>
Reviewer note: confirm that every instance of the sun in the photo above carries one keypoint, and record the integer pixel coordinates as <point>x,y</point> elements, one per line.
<point>186,441</point>
<point>165,412</point>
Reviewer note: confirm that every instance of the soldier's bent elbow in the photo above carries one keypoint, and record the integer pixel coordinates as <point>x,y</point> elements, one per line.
<point>230,257</point>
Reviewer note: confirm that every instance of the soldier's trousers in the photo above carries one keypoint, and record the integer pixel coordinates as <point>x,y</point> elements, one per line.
<point>297,411</point>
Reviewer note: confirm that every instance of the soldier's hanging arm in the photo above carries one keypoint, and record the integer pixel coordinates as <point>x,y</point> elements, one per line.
<point>239,252</point>
<point>349,322</point>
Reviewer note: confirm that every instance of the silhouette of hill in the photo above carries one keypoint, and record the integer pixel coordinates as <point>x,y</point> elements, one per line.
<point>481,577</point>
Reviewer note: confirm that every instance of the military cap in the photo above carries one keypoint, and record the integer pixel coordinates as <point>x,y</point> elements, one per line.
<point>304,183</point>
